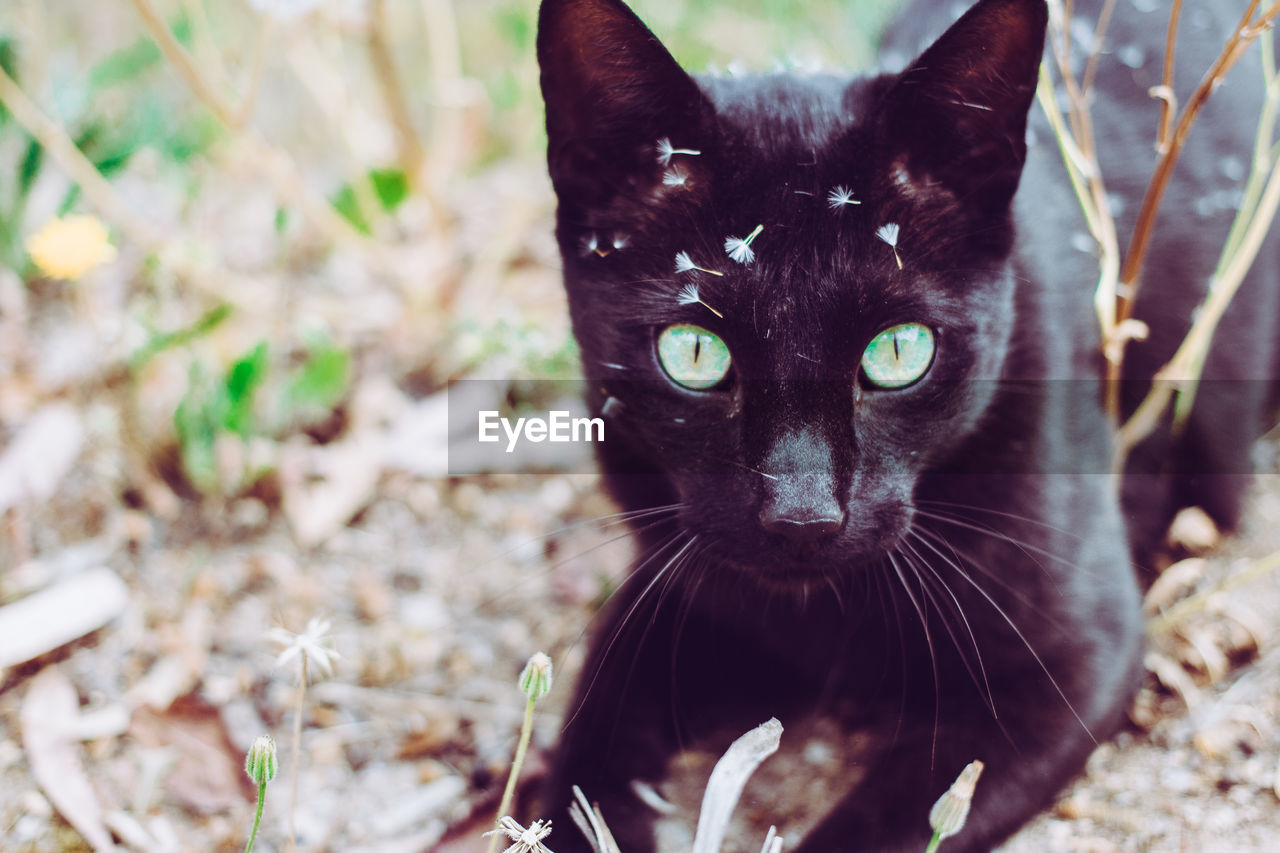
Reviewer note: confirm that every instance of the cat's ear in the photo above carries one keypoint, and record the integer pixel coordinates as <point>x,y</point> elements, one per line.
<point>617,104</point>
<point>958,115</point>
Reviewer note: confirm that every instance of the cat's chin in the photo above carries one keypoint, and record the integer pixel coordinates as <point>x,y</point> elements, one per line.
<point>798,572</point>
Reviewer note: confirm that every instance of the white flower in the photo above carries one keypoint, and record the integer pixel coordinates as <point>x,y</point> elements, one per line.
<point>889,234</point>
<point>675,177</point>
<point>840,196</point>
<point>689,296</point>
<point>739,248</point>
<point>666,151</point>
<point>685,264</point>
<point>308,646</point>
<point>526,840</point>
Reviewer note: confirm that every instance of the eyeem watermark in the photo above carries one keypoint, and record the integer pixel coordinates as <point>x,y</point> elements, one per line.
<point>558,426</point>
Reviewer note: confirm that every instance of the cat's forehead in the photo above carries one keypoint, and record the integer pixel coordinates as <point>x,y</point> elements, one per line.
<point>768,112</point>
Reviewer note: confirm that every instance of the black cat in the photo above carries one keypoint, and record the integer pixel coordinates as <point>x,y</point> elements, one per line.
<point>850,373</point>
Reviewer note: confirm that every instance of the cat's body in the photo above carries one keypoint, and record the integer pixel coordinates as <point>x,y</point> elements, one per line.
<point>925,545</point>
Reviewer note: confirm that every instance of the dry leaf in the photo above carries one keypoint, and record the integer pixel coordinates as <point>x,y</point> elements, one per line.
<point>1171,674</point>
<point>50,714</point>
<point>1193,530</point>
<point>40,455</point>
<point>1174,583</point>
<point>55,616</point>
<point>324,487</point>
<point>209,777</point>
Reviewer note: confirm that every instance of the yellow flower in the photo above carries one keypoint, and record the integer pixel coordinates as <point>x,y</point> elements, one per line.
<point>71,246</point>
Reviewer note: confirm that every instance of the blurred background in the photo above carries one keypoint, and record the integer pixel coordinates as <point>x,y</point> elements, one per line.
<point>244,246</point>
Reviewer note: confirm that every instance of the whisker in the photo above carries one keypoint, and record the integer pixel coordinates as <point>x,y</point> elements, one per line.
<point>985,685</point>
<point>969,560</point>
<point>1003,514</point>
<point>933,658</point>
<point>1030,648</point>
<point>622,624</point>
<point>515,588</point>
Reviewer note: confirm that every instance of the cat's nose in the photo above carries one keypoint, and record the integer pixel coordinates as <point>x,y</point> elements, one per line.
<point>805,525</point>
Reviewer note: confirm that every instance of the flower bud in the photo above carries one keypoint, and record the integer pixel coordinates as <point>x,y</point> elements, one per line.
<point>260,763</point>
<point>949,813</point>
<point>535,680</point>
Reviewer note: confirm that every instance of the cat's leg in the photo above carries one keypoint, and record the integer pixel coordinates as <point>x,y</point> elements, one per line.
<point>618,729</point>
<point>889,811</point>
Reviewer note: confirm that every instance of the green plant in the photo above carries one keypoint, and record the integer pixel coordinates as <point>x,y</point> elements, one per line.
<point>260,765</point>
<point>214,407</point>
<point>535,682</point>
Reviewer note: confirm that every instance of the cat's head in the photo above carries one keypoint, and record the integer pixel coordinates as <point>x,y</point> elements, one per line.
<point>784,286</point>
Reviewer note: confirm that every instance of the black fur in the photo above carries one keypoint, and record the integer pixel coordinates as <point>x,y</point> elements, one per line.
<point>945,564</point>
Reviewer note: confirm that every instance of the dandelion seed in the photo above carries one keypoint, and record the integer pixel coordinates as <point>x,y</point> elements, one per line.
<point>689,296</point>
<point>739,248</point>
<point>621,241</point>
<point>889,234</point>
<point>590,243</point>
<point>685,264</point>
<point>666,151</point>
<point>675,177</point>
<point>840,196</point>
<point>526,840</point>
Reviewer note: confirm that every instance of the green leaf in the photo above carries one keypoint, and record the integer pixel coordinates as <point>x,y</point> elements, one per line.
<point>125,64</point>
<point>242,383</point>
<point>158,343</point>
<point>32,159</point>
<point>390,187</point>
<point>197,421</point>
<point>321,381</point>
<point>9,64</point>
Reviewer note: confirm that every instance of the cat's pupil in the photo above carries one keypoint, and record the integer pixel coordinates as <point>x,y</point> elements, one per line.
<point>899,356</point>
<point>693,357</point>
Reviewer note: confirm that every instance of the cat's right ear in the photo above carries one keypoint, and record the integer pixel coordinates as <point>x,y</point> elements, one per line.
<point>616,101</point>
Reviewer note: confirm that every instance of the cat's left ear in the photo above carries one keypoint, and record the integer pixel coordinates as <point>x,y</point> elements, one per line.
<point>958,115</point>
<point>617,106</point>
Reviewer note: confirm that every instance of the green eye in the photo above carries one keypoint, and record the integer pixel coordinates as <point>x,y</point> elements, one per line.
<point>898,356</point>
<point>692,356</point>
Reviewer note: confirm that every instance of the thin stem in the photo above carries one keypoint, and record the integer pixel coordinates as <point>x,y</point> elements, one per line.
<point>933,843</point>
<point>297,752</point>
<point>1130,274</point>
<point>1182,371</point>
<point>1099,36</point>
<point>412,155</point>
<point>1235,47</point>
<point>509,793</point>
<point>257,818</point>
<point>64,152</point>
<point>186,66</point>
<point>1167,105</point>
